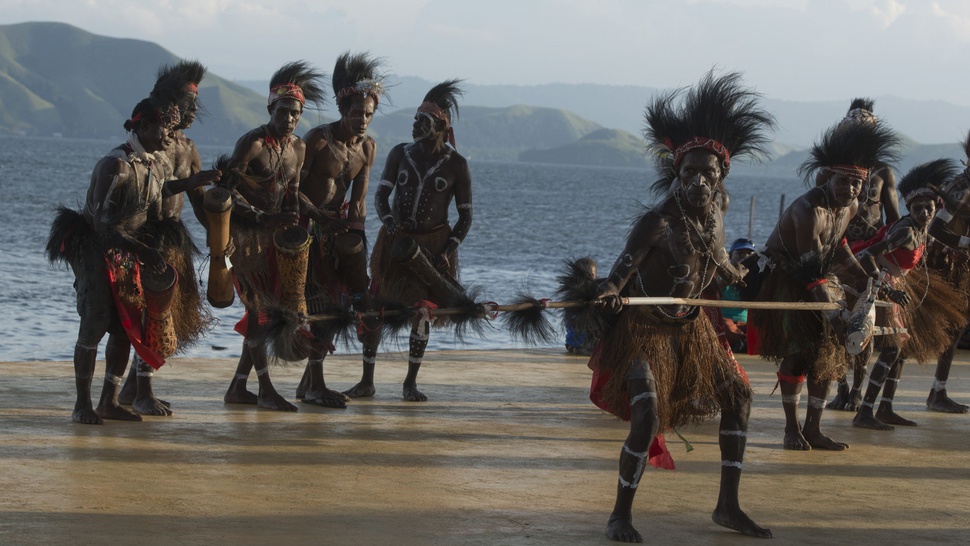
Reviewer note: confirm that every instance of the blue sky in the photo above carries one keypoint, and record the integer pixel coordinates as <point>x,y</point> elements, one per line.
<point>788,49</point>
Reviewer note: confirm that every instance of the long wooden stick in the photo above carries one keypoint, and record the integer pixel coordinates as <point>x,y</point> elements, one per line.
<point>487,307</point>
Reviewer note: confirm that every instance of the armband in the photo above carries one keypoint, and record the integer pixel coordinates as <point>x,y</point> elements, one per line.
<point>844,242</point>
<point>944,215</point>
<point>813,284</point>
<point>964,242</point>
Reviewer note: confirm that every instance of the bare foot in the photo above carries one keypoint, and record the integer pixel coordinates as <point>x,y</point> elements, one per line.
<point>820,441</point>
<point>412,394</point>
<point>361,390</point>
<point>86,416</point>
<point>151,406</point>
<point>328,399</point>
<point>795,441</point>
<point>739,521</point>
<point>117,413</point>
<point>274,401</point>
<point>939,401</point>
<point>621,530</point>
<point>887,415</point>
<point>847,400</point>
<point>237,393</point>
<point>865,419</point>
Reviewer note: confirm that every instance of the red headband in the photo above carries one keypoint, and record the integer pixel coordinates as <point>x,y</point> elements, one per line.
<point>285,91</point>
<point>851,171</point>
<point>702,143</point>
<point>192,87</point>
<point>367,88</point>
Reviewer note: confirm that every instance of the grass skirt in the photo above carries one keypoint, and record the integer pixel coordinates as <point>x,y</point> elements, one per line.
<point>394,281</point>
<point>688,363</point>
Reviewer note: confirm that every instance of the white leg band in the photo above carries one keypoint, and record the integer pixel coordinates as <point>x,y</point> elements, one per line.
<point>867,404</point>
<point>642,396</point>
<point>370,360</point>
<point>740,433</point>
<point>735,464</point>
<point>817,403</point>
<point>261,373</point>
<point>86,347</point>
<point>791,398</point>
<point>938,385</point>
<point>149,373</point>
<point>241,377</point>
<point>114,379</point>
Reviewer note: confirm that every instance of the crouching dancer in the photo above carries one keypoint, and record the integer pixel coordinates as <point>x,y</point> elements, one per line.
<point>665,365</point>
<point>801,251</point>
<point>109,246</point>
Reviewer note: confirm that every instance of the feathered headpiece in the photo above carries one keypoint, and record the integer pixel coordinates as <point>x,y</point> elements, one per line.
<point>439,102</point>
<point>297,80</point>
<point>918,181</point>
<point>178,84</point>
<point>718,115</point>
<point>853,149</point>
<point>357,74</point>
<point>861,110</point>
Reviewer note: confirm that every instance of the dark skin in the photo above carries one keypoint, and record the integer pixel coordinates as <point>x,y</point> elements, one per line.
<point>117,227</point>
<point>909,233</point>
<point>425,176</point>
<point>269,205</point>
<point>679,248</point>
<point>813,226</point>
<point>949,233</point>
<point>186,162</point>
<point>337,169</point>
<point>878,206</point>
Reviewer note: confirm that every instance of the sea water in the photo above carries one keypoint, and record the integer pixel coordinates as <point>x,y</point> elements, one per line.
<point>528,219</point>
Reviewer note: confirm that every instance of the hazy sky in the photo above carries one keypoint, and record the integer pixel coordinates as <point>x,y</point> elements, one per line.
<point>788,49</point>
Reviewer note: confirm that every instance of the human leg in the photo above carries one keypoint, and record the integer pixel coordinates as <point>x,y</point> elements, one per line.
<point>885,412</point>
<point>790,380</point>
<point>880,370</point>
<point>644,424</point>
<point>416,347</point>
<point>818,391</point>
<point>116,360</point>
<point>732,438</point>
<point>938,400</point>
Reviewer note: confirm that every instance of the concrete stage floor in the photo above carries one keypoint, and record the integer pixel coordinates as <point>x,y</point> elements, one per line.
<point>507,451</point>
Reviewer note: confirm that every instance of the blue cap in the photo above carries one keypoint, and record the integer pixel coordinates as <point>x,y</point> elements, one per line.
<point>742,244</point>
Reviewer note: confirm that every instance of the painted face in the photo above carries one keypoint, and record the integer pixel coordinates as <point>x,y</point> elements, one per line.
<point>359,115</point>
<point>284,115</point>
<point>188,115</point>
<point>423,127</point>
<point>922,210</point>
<point>844,189</point>
<point>700,176</point>
<point>156,135</point>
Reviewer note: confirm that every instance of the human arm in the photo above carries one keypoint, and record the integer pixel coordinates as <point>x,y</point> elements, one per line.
<point>463,202</point>
<point>645,235</point>
<point>382,203</point>
<point>889,197</point>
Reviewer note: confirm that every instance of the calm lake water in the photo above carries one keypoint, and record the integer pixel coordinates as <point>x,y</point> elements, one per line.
<point>528,219</point>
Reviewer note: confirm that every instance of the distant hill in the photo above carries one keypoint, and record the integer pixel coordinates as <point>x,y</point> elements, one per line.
<point>605,147</point>
<point>59,79</point>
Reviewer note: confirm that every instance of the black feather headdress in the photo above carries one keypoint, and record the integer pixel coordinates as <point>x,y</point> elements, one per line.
<point>357,75</point>
<point>445,96</point>
<point>718,115</point>
<point>855,148</point>
<point>178,84</point>
<point>307,80</point>
<point>918,180</point>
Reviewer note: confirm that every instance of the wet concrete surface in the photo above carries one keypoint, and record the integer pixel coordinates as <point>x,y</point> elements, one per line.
<point>507,451</point>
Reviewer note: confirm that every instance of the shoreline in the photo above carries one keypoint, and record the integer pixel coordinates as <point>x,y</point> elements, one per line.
<point>508,450</point>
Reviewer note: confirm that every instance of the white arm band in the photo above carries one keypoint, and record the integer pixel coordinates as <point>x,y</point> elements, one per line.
<point>944,215</point>
<point>964,242</point>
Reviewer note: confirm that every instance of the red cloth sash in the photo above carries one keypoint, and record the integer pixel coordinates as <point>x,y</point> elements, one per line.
<point>131,316</point>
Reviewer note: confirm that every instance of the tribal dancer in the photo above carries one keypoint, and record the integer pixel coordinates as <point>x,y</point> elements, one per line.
<point>333,191</point>
<point>933,308</point>
<point>264,176</point>
<point>801,251</point>
<point>661,367</point>
<point>949,255</point>
<point>878,206</point>
<point>176,84</point>
<point>425,176</point>
<point>111,249</point>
